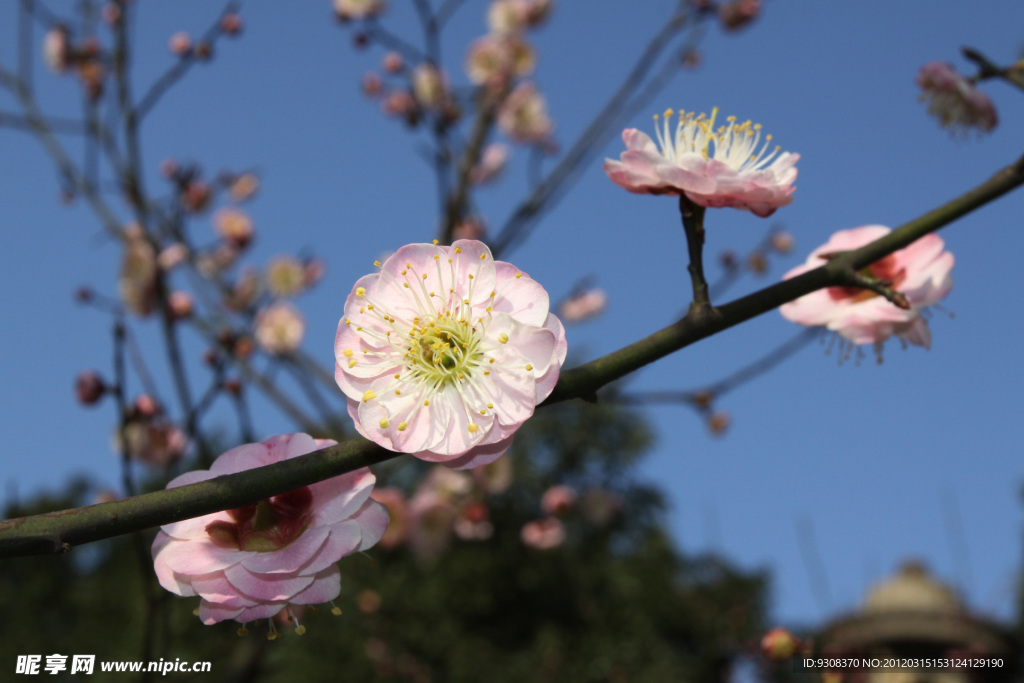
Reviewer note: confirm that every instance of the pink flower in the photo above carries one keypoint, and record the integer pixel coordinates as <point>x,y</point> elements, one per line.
<point>558,500</point>
<point>357,9</point>
<point>492,163</point>
<point>429,85</point>
<point>398,516</point>
<point>713,168</point>
<point>920,272</point>
<point>286,276</point>
<point>738,13</point>
<point>954,100</point>
<point>279,328</point>
<point>523,116</point>
<point>244,187</point>
<point>233,226</point>
<point>431,516</point>
<point>250,562</point>
<point>543,534</point>
<point>180,44</point>
<point>56,50</point>
<point>585,304</point>
<point>445,353</point>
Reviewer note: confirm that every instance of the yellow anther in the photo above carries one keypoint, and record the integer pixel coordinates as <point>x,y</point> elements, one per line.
<point>465,301</point>
<point>483,256</point>
<point>360,329</point>
<point>450,261</point>
<point>426,403</point>
<point>362,309</point>
<point>347,353</point>
<point>360,292</point>
<point>490,360</point>
<point>436,257</point>
<point>518,275</point>
<point>402,426</point>
<point>347,321</point>
<point>529,367</point>
<point>435,242</point>
<point>406,285</point>
<point>424,276</point>
<point>368,394</point>
<point>398,376</point>
<point>483,412</point>
<point>370,307</point>
<point>300,630</point>
<point>384,422</point>
<point>503,338</point>
<point>668,113</point>
<point>458,250</point>
<point>470,277</point>
<point>336,611</point>
<point>376,263</point>
<point>489,309</point>
<point>472,428</point>
<point>398,392</point>
<point>352,363</point>
<point>491,406</point>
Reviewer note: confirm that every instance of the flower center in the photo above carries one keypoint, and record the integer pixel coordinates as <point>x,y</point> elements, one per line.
<point>266,526</point>
<point>734,144</point>
<point>443,350</point>
<point>885,269</point>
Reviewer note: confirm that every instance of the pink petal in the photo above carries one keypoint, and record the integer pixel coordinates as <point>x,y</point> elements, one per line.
<point>179,584</point>
<point>266,587</point>
<point>339,498</point>
<point>200,557</point>
<point>289,558</point>
<point>326,586</point>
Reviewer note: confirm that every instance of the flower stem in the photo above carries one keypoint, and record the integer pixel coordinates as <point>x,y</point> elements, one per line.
<point>693,224</point>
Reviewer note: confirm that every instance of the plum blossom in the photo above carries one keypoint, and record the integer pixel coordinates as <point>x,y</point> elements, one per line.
<point>493,60</point>
<point>583,305</point>
<point>558,500</point>
<point>523,116</point>
<point>398,516</point>
<point>233,226</point>
<point>279,328</point>
<point>920,272</point>
<point>492,163</point>
<point>543,534</point>
<point>713,168</point>
<point>445,352</point>
<point>251,562</point>
<point>57,50</point>
<point>357,9</point>
<point>286,276</point>
<point>954,100</point>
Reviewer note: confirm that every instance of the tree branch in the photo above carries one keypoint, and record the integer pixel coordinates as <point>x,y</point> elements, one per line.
<point>58,531</point>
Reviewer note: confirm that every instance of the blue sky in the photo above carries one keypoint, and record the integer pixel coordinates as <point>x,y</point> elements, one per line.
<point>918,457</point>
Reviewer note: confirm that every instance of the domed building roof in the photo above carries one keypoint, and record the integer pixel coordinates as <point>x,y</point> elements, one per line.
<point>912,589</point>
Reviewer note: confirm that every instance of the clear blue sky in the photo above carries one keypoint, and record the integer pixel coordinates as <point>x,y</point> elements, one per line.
<point>879,458</point>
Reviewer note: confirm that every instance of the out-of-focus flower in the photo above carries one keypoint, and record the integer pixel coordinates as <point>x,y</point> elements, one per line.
<point>56,50</point>
<point>584,305</point>
<point>169,168</point>
<point>492,163</point>
<point>393,62</point>
<point>233,226</point>
<point>470,228</point>
<point>137,283</point>
<point>495,477</point>
<point>156,442</point>
<point>250,562</point>
<point>448,484</point>
<point>782,242</point>
<point>538,11</point>
<point>313,270</point>
<point>244,187</point>
<point>172,256</point>
<point>180,44</point>
<point>736,14</point>
<point>210,263</point>
<point>487,61</point>
<point>231,24</point>
<point>719,422</point>
<point>398,514</point>
<point>557,500</point>
<point>196,196</point>
<point>181,304</point>
<point>279,328</point>
<point>430,524</point>
<point>713,168</point>
<point>368,601</point>
<point>600,506</point>
<point>954,100</point>
<point>523,116</point>
<point>146,406</point>
<point>779,644</point>
<point>401,103</point>
<point>473,524</point>
<point>505,17</point>
<point>89,388</point>
<point>286,276</point>
<point>372,84</point>
<point>757,263</point>
<point>92,74</point>
<point>445,353</point>
<point>357,9</point>
<point>920,272</point>
<point>543,534</point>
<point>429,86</point>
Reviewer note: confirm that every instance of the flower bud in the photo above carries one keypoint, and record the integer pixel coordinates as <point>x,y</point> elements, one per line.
<point>89,388</point>
<point>738,13</point>
<point>180,44</point>
<point>231,24</point>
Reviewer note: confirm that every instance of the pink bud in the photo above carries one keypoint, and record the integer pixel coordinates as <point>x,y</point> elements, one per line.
<point>196,196</point>
<point>393,62</point>
<point>180,304</point>
<point>169,168</point>
<point>180,44</point>
<point>782,242</point>
<point>89,388</point>
<point>558,500</point>
<point>231,24</point>
<point>738,13</point>
<point>372,84</point>
<point>146,405</point>
<point>543,534</point>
